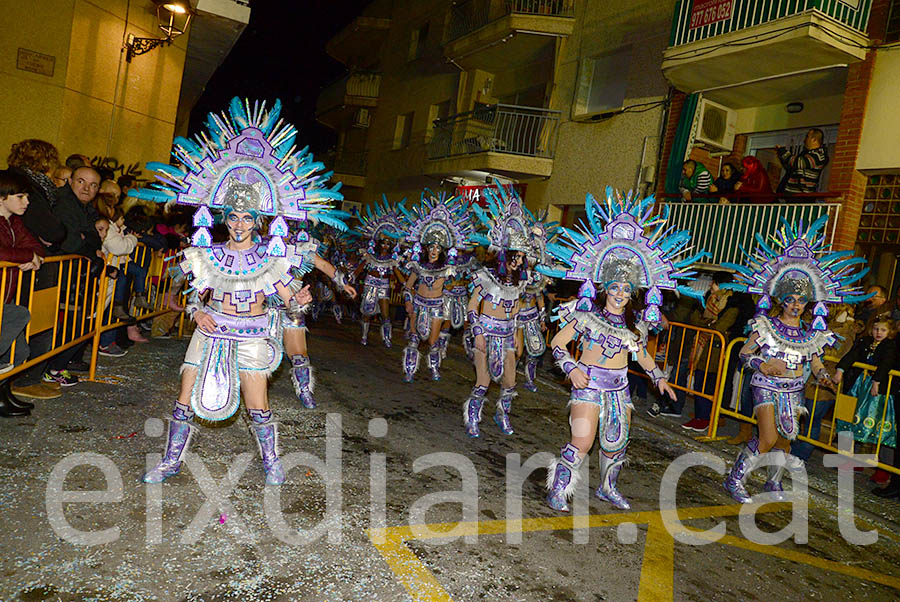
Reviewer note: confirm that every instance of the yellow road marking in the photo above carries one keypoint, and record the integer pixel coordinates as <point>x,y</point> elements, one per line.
<point>657,579</point>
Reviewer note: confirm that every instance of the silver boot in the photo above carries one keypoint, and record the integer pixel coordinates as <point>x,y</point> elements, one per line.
<point>365,334</point>
<point>177,443</point>
<point>609,475</point>
<point>562,477</point>
<point>472,410</point>
<point>743,465</point>
<point>267,439</point>
<point>504,403</point>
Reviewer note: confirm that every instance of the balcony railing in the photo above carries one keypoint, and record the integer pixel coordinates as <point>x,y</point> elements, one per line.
<point>468,15</point>
<point>687,24</point>
<point>362,85</point>
<point>500,128</point>
<point>723,229</point>
<point>350,162</point>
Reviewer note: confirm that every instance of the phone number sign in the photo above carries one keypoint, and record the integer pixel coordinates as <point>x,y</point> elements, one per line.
<point>706,12</point>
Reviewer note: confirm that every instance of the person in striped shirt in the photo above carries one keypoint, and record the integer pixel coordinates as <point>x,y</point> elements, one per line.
<point>695,179</point>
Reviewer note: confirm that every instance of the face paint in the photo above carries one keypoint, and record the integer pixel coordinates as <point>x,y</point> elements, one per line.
<point>617,295</point>
<point>794,305</point>
<point>240,225</point>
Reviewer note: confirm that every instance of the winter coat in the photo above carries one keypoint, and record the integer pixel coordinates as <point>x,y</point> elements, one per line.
<point>882,357</point>
<point>17,245</point>
<point>802,170</point>
<point>79,219</point>
<point>118,243</point>
<point>39,217</point>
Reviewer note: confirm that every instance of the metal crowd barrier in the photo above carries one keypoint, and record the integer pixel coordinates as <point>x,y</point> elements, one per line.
<point>828,446</point>
<point>157,285</point>
<point>69,306</point>
<point>64,310</point>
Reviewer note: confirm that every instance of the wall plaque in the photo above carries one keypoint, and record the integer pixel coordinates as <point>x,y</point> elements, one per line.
<point>35,62</point>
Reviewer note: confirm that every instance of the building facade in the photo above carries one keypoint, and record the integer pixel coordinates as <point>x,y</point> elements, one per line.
<point>567,97</point>
<point>66,78</point>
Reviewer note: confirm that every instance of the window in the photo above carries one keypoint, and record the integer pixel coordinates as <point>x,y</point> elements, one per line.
<point>402,130</point>
<point>602,83</point>
<point>417,41</point>
<point>438,111</point>
<point>892,32</point>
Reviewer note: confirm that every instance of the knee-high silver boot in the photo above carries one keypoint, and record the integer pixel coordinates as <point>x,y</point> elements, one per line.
<point>562,477</point>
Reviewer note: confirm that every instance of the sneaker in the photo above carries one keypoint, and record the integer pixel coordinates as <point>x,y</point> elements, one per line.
<point>112,350</point>
<point>6,368</point>
<point>78,366</point>
<point>164,335</point>
<point>35,391</point>
<point>62,377</point>
<point>696,425</point>
<point>670,412</point>
<point>880,476</point>
<point>654,410</point>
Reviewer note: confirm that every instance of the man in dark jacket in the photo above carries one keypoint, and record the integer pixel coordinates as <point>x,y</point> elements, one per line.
<point>73,206</point>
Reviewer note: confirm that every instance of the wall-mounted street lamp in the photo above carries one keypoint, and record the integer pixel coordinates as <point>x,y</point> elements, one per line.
<point>173,18</point>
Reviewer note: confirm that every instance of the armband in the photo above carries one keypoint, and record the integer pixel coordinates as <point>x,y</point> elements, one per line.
<point>339,279</point>
<point>193,304</point>
<point>754,362</point>
<point>543,314</point>
<point>295,311</point>
<point>656,375</point>
<point>472,317</point>
<point>477,330</point>
<point>564,359</point>
<point>407,295</point>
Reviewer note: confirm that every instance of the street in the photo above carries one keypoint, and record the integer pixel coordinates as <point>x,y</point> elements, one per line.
<point>367,531</point>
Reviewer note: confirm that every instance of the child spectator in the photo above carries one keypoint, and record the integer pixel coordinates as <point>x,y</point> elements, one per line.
<point>118,247</point>
<point>870,389</point>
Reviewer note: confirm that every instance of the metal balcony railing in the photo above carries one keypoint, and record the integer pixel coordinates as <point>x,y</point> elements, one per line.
<point>362,84</point>
<point>500,128</point>
<point>468,15</point>
<point>723,229</point>
<point>350,162</point>
<point>688,24</point>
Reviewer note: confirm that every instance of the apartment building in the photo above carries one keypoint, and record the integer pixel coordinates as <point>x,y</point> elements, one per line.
<point>564,97</point>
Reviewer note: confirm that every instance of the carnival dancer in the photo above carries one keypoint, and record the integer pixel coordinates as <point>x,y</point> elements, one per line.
<point>294,329</point>
<point>439,226</point>
<point>244,165</point>
<point>494,305</point>
<point>380,262</point>
<point>612,252</point>
<point>532,317</point>
<point>456,301</point>
<point>794,269</point>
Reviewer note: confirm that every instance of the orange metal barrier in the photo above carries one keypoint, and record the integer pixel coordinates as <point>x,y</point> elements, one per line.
<point>157,286</point>
<point>78,307</point>
<point>66,309</point>
<point>829,445</point>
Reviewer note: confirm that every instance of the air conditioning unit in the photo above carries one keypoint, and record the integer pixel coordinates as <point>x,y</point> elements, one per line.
<point>715,125</point>
<point>361,118</point>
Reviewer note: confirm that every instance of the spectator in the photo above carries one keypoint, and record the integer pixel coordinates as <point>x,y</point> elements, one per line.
<point>75,161</point>
<point>755,181</point>
<point>695,179</point>
<point>874,307</point>
<point>871,389</point>
<point>112,188</point>
<point>61,176</point>
<point>118,246</point>
<point>802,171</point>
<point>75,209</point>
<point>36,160</point>
<point>106,203</point>
<point>19,246</point>
<point>728,178</point>
<point>718,315</point>
<point>679,342</point>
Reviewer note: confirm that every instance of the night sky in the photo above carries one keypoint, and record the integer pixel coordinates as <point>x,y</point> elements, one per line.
<point>281,54</point>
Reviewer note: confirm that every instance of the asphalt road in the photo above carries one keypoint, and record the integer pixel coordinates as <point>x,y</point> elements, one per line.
<point>389,500</point>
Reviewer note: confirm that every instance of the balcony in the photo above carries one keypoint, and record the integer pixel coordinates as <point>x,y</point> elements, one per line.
<point>757,52</point>
<point>358,43</point>
<point>349,167</point>
<point>494,35</point>
<point>723,229</point>
<point>339,103</point>
<point>516,142</point>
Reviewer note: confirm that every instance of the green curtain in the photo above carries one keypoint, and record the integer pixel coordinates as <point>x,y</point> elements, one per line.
<point>679,145</point>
